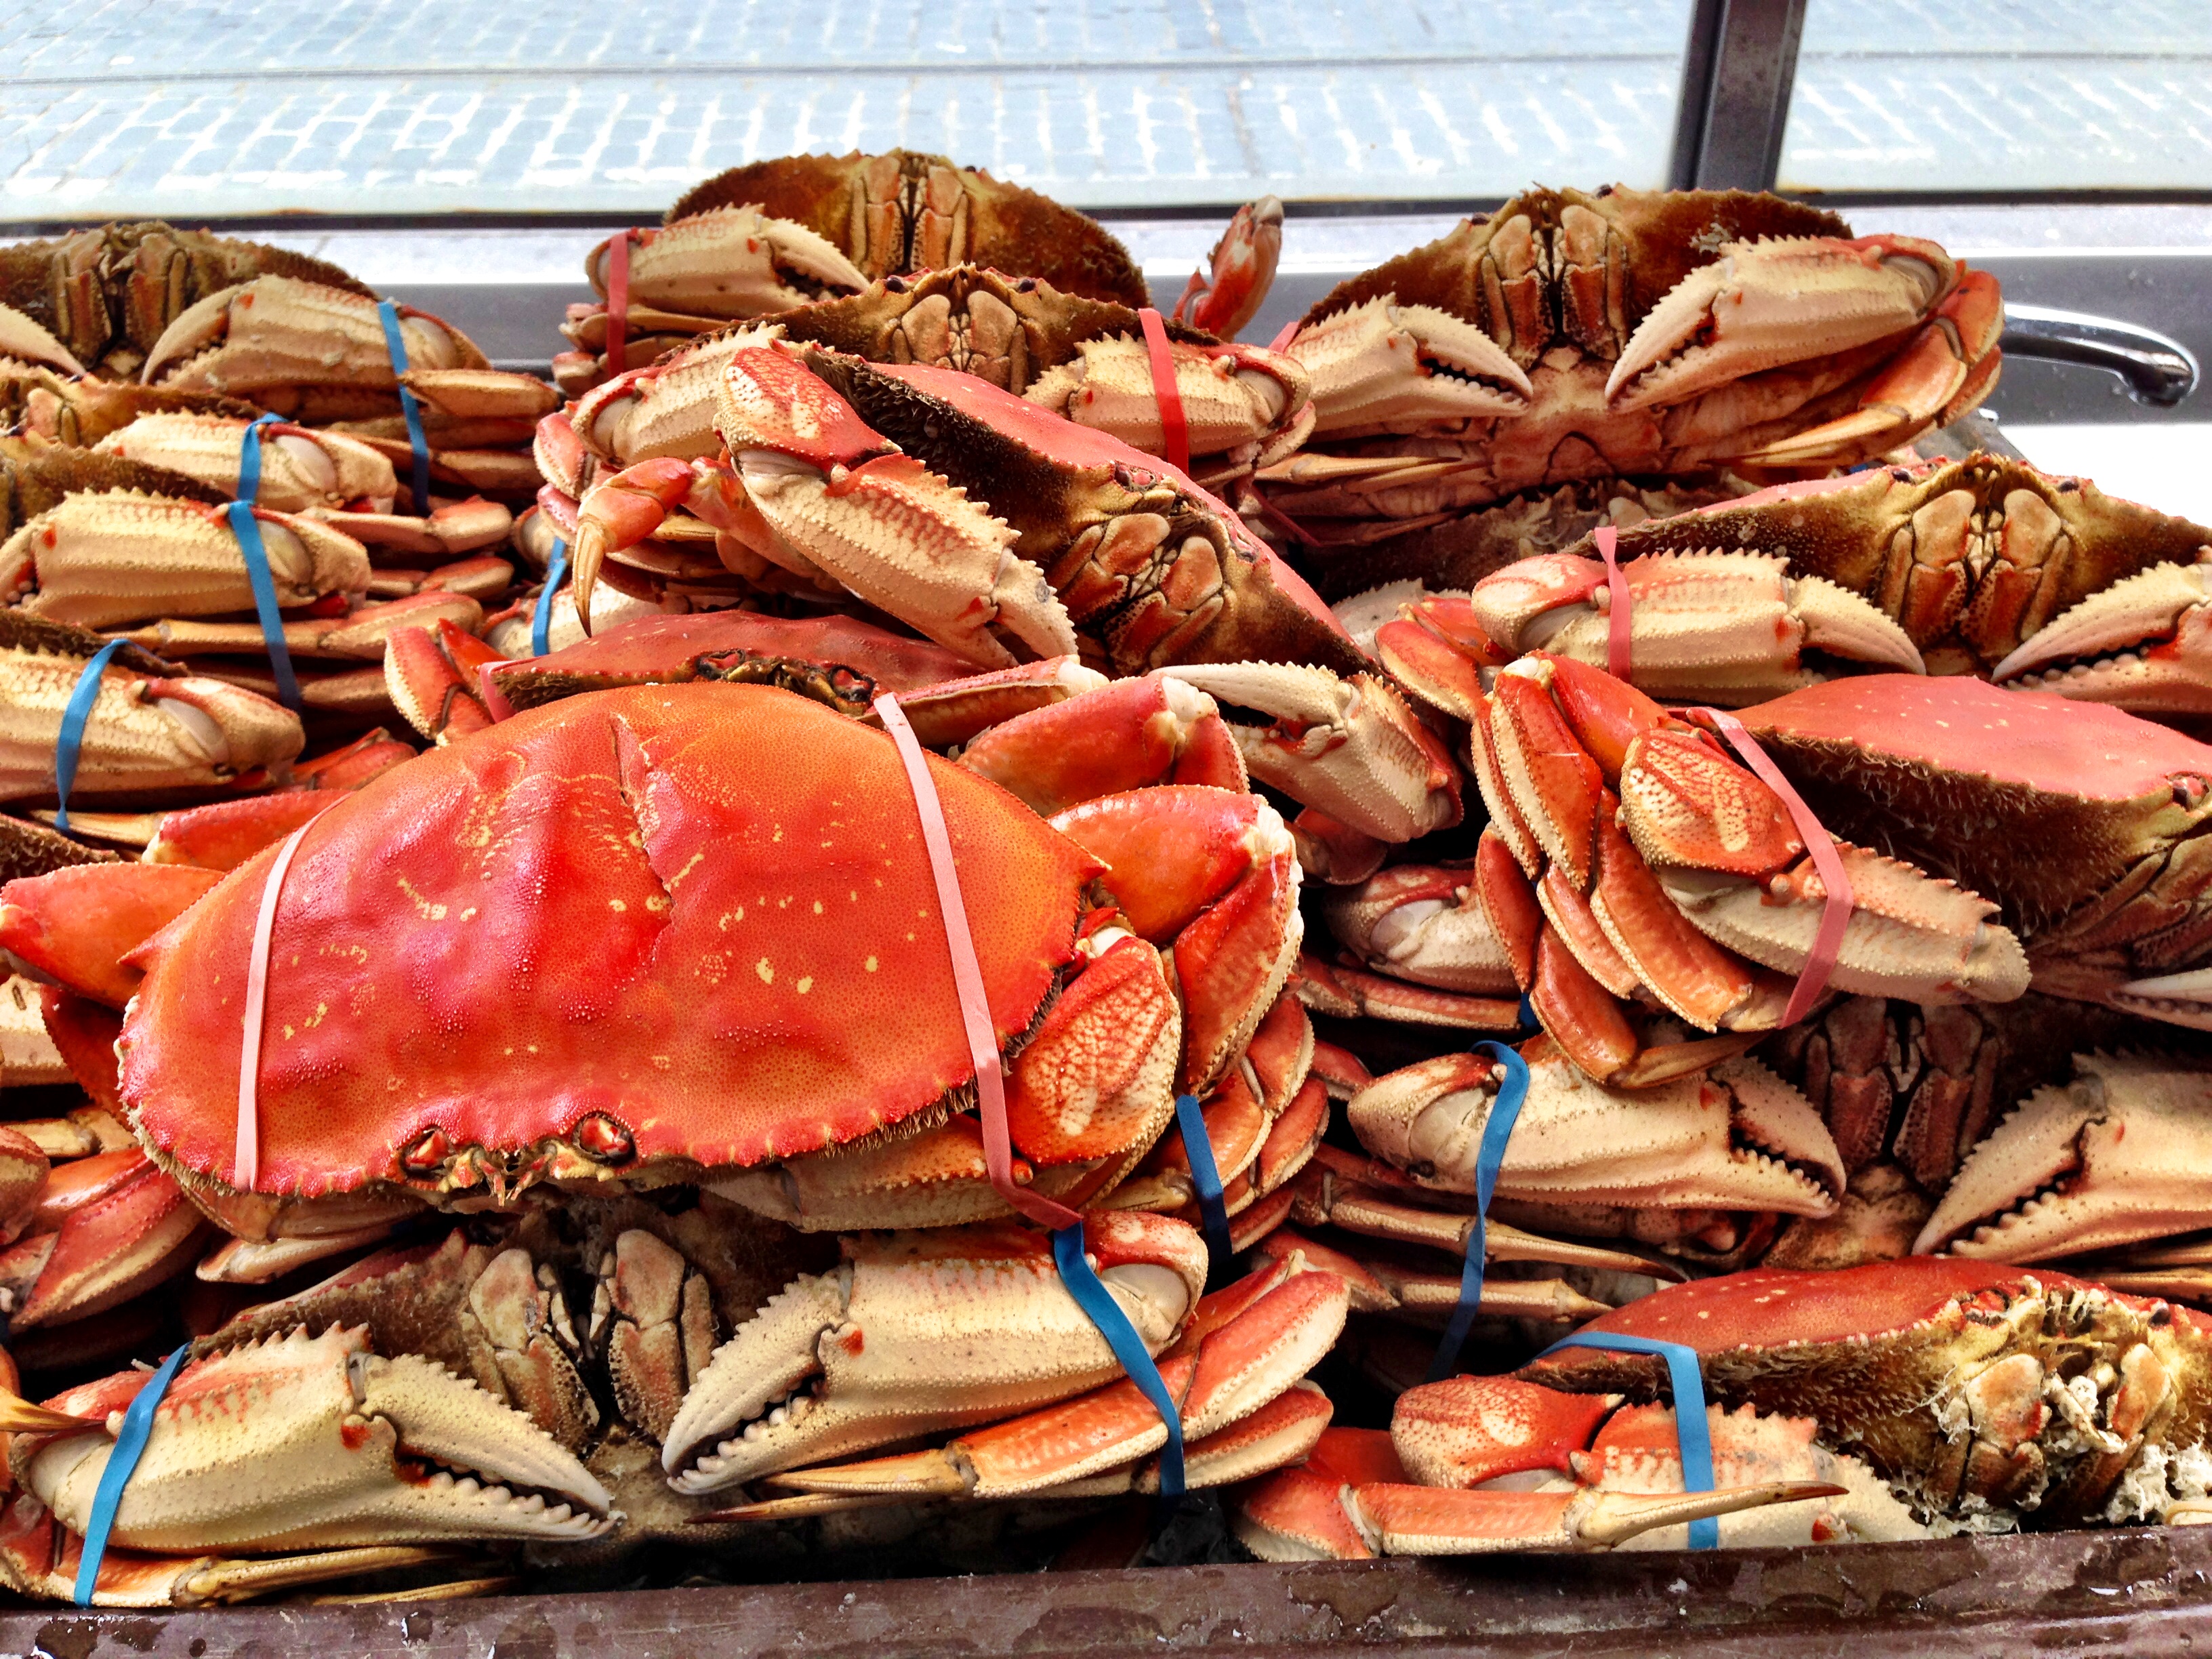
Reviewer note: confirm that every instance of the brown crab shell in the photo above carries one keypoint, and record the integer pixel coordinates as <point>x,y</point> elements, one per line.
<point>1013,229</point>
<point>1864,532</point>
<point>2033,800</point>
<point>631,936</point>
<point>1055,326</point>
<point>1865,1350</point>
<point>1480,269</point>
<point>123,283</point>
<point>37,478</point>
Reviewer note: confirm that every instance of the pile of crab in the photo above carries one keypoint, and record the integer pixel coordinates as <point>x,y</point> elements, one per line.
<point>582,1138</point>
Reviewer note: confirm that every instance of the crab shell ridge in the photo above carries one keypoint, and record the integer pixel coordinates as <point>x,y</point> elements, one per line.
<point>628,936</point>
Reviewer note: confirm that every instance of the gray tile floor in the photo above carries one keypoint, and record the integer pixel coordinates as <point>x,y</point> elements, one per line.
<point>225,107</point>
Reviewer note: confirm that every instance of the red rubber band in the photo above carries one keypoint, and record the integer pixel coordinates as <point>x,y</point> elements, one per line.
<point>1175,430</point>
<point>245,1161</point>
<point>1616,653</point>
<point>968,979</point>
<point>618,303</point>
<point>1812,978</point>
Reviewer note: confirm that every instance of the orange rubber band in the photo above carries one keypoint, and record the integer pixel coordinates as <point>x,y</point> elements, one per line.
<point>1616,653</point>
<point>968,979</point>
<point>1836,915</point>
<point>245,1161</point>
<point>1175,430</point>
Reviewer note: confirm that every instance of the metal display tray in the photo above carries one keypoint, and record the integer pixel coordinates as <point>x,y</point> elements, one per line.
<point>2142,1593</point>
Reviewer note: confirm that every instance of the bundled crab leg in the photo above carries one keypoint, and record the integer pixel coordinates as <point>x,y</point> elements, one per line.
<point>1629,858</point>
<point>832,477</point>
<point>1475,1464</point>
<point>1233,1374</point>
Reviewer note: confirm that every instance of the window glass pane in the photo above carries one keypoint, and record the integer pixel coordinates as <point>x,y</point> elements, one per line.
<point>220,107</point>
<point>2013,95</point>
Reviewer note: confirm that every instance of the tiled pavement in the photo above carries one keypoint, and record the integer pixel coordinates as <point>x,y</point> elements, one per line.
<point>226,107</point>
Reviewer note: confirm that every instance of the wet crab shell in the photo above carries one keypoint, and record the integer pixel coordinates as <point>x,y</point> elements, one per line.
<point>632,934</point>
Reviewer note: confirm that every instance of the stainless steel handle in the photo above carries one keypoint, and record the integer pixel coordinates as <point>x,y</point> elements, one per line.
<point>2157,369</point>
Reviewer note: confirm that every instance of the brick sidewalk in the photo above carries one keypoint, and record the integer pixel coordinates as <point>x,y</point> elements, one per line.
<point>380,107</point>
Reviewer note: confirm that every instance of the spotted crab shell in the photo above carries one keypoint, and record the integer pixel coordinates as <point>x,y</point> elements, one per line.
<point>701,917</point>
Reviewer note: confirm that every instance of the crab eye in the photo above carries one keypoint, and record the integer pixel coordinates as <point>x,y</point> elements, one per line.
<point>602,1139</point>
<point>427,1153</point>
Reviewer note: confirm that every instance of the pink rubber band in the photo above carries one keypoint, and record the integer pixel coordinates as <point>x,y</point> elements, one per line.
<point>496,704</point>
<point>968,979</point>
<point>1175,430</point>
<point>1288,332</point>
<point>618,303</point>
<point>1836,915</point>
<point>1616,653</point>
<point>245,1161</point>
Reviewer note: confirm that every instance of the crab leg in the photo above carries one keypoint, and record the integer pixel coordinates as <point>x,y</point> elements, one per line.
<point>1348,746</point>
<point>836,1364</point>
<point>1228,910</point>
<point>77,925</point>
<point>1242,269</point>
<point>106,1229</point>
<point>40,1558</point>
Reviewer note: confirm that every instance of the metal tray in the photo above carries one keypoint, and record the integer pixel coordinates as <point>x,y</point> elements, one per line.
<point>2140,1593</point>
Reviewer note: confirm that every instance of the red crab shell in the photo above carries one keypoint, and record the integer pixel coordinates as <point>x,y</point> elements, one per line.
<point>702,916</point>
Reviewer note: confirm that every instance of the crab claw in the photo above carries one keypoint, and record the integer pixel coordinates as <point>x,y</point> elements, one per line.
<point>1350,746</point>
<point>1243,268</point>
<point>1385,365</point>
<point>879,521</point>
<point>1736,1138</point>
<point>1728,628</point>
<point>303,1441</point>
<point>1422,922</point>
<point>731,262</point>
<point>2118,1156</point>
<point>2144,644</point>
<point>1124,734</point>
<point>919,1333</point>
<point>28,342</point>
<point>1766,304</point>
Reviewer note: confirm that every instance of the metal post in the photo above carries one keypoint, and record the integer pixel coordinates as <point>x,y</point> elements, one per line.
<point>1737,71</point>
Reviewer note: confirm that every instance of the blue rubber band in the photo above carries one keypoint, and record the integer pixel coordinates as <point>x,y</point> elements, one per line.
<point>1496,1130</point>
<point>75,713</point>
<point>396,346</point>
<point>249,459</point>
<point>1206,1177</point>
<point>541,619</point>
<point>1529,1025</point>
<point>247,529</point>
<point>1691,1430</point>
<point>1104,1311</point>
<point>122,1460</point>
